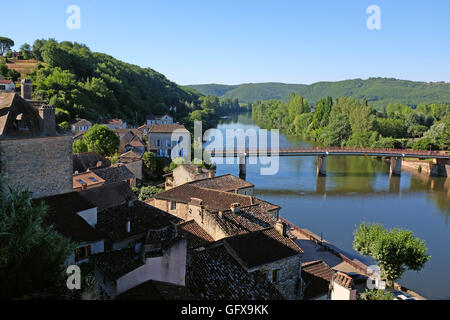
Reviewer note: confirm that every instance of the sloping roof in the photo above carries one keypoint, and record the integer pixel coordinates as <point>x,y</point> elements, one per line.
<point>247,219</point>
<point>130,156</point>
<point>116,264</point>
<point>212,199</point>
<point>12,106</point>
<point>114,174</point>
<point>213,274</point>
<point>344,280</point>
<point>223,183</point>
<point>195,235</point>
<point>156,290</point>
<point>142,217</point>
<point>82,122</point>
<point>6,81</point>
<point>86,179</point>
<point>89,160</point>
<point>109,195</point>
<point>166,128</point>
<point>62,213</point>
<point>317,276</point>
<point>261,247</point>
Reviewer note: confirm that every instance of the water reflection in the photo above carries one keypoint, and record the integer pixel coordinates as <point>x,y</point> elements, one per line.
<point>358,189</point>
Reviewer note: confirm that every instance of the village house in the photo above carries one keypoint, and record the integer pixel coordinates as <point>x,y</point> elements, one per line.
<point>133,161</point>
<point>142,244</point>
<point>7,86</point>
<point>75,217</point>
<point>131,141</point>
<point>185,173</point>
<point>32,152</point>
<point>83,162</point>
<point>212,209</point>
<point>81,125</point>
<point>347,286</point>
<point>272,253</point>
<point>226,183</point>
<point>161,143</point>
<point>116,173</point>
<point>109,195</point>
<point>86,180</point>
<point>317,277</point>
<point>166,119</point>
<point>115,124</point>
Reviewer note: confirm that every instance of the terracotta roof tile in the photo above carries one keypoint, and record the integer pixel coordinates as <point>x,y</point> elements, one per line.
<point>110,195</point>
<point>195,235</point>
<point>215,275</point>
<point>166,128</point>
<point>261,247</point>
<point>227,182</point>
<point>114,174</point>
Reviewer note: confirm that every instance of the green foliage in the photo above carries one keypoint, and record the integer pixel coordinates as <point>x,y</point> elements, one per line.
<point>425,144</point>
<point>79,146</point>
<point>32,255</point>
<point>9,74</point>
<point>101,140</point>
<point>377,295</point>
<point>149,192</point>
<point>395,250</point>
<point>322,114</point>
<point>5,45</point>
<point>65,126</point>
<point>379,92</point>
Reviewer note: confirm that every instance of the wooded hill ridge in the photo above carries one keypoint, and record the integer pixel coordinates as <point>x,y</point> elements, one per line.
<point>379,92</point>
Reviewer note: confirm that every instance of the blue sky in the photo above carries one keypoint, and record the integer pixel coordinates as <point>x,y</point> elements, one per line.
<point>240,41</point>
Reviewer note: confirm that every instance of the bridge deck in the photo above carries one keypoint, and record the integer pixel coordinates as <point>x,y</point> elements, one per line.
<point>333,151</point>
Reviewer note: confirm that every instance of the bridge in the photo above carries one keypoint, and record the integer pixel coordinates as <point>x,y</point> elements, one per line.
<point>396,156</point>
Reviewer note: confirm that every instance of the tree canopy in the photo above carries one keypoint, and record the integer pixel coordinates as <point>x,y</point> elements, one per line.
<point>101,139</point>
<point>395,250</point>
<point>5,45</point>
<point>32,254</point>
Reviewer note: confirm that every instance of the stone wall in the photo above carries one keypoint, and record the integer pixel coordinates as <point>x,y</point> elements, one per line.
<point>289,276</point>
<point>42,165</point>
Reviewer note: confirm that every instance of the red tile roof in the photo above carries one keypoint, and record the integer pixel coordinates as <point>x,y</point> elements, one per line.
<point>166,128</point>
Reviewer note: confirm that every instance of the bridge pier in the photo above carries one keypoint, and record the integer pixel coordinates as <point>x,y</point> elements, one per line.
<point>440,168</point>
<point>243,167</point>
<point>396,166</point>
<point>321,187</point>
<point>394,184</point>
<point>322,166</point>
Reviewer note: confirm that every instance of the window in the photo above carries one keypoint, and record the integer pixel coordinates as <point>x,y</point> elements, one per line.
<point>81,182</point>
<point>93,179</point>
<point>158,143</point>
<point>275,275</point>
<point>82,253</point>
<point>173,205</point>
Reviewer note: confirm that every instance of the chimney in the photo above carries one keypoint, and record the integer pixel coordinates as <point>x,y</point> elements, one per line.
<point>281,228</point>
<point>211,174</point>
<point>220,214</point>
<point>26,89</point>
<point>128,225</point>
<point>47,120</point>
<point>235,207</point>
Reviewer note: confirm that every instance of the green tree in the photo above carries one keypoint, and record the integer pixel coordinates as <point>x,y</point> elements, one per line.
<point>79,146</point>
<point>5,45</point>
<point>26,51</point>
<point>150,162</point>
<point>395,250</point>
<point>377,295</point>
<point>339,130</point>
<point>322,114</point>
<point>32,254</point>
<point>149,192</point>
<point>65,125</point>
<point>102,140</point>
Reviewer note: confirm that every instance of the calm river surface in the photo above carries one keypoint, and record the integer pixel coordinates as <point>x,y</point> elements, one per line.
<point>358,189</point>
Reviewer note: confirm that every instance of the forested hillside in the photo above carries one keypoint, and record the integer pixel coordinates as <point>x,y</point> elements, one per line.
<point>95,86</point>
<point>379,92</point>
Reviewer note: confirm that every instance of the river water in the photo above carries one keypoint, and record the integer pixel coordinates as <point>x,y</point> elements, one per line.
<point>358,189</point>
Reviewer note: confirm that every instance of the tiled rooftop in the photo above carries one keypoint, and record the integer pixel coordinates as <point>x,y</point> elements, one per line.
<point>258,248</point>
<point>166,128</point>
<point>114,174</point>
<point>228,183</point>
<point>195,235</point>
<point>143,218</point>
<point>156,290</point>
<point>89,160</point>
<point>215,275</point>
<point>109,195</point>
<point>116,264</point>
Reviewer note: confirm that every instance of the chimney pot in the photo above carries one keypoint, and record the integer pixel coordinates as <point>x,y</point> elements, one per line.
<point>281,228</point>
<point>26,89</point>
<point>235,207</point>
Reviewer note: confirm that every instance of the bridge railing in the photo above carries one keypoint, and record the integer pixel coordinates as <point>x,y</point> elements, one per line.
<point>332,150</point>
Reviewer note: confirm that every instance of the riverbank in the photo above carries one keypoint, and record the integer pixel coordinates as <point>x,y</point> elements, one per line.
<point>316,248</point>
